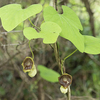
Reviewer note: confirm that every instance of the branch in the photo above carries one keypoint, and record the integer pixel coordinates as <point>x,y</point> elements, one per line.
<point>91,18</point>
<point>11,32</point>
<point>19,91</point>
<point>64,2</point>
<point>95,60</point>
<point>9,60</point>
<point>55,4</point>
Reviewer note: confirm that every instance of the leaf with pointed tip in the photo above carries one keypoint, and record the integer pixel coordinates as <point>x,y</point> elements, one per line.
<point>92,44</point>
<point>11,15</point>
<point>49,32</point>
<point>69,23</point>
<point>48,74</point>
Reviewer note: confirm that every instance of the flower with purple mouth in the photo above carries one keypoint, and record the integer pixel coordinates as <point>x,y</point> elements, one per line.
<point>65,81</point>
<point>28,66</point>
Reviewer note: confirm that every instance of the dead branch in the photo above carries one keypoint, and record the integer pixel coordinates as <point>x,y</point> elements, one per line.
<point>19,91</point>
<point>11,32</point>
<point>3,64</point>
<point>91,18</point>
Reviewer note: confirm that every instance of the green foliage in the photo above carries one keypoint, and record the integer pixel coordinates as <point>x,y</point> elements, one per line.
<point>30,33</point>
<point>92,45</point>
<point>69,23</point>
<point>49,32</point>
<point>48,74</point>
<point>11,15</point>
<point>66,25</point>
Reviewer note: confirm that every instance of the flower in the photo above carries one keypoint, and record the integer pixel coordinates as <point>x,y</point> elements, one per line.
<point>33,72</point>
<point>28,66</point>
<point>63,90</point>
<point>65,81</point>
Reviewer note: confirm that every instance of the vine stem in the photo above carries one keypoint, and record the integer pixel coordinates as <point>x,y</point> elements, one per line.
<point>31,49</point>
<point>61,63</point>
<point>34,25</point>
<point>69,93</point>
<point>69,55</point>
<point>31,22</point>
<point>55,44</point>
<point>57,55</point>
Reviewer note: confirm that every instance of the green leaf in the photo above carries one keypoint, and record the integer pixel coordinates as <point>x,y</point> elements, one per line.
<point>12,14</point>
<point>69,23</point>
<point>30,33</point>
<point>48,74</point>
<point>92,45</point>
<point>49,32</point>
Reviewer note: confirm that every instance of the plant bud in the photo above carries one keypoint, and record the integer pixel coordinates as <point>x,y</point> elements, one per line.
<point>63,90</point>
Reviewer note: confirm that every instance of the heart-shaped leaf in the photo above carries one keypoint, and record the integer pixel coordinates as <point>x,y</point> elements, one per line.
<point>49,32</point>
<point>31,33</point>
<point>48,74</point>
<point>11,15</point>
<point>69,23</point>
<point>92,45</point>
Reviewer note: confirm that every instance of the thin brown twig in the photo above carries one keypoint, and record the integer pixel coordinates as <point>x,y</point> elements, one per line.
<point>95,60</point>
<point>78,98</point>
<point>6,62</point>
<point>3,45</point>
<point>19,91</point>
<point>11,32</point>
<point>34,96</point>
<point>49,96</point>
<point>83,98</point>
<point>19,43</point>
<point>91,18</point>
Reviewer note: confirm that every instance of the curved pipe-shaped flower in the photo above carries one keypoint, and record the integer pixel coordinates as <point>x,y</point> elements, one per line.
<point>28,66</point>
<point>65,80</point>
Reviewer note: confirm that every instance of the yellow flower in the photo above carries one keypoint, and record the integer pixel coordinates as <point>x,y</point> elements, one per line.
<point>63,90</point>
<point>33,72</point>
<point>28,66</point>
